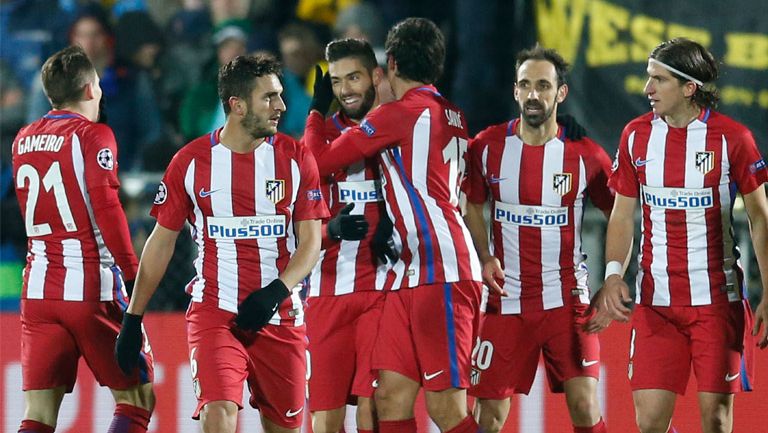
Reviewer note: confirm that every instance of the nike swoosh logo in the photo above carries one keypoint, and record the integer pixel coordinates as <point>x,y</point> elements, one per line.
<point>291,413</point>
<point>204,193</point>
<point>641,162</point>
<point>375,383</point>
<point>729,378</point>
<point>433,375</point>
<point>275,308</point>
<point>494,179</point>
<point>585,363</point>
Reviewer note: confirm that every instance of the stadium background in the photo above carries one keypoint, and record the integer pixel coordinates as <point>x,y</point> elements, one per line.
<point>168,50</point>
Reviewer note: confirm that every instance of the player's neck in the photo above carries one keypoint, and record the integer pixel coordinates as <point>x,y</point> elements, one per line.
<point>237,139</point>
<point>82,109</point>
<point>401,86</point>
<point>537,136</point>
<point>683,117</point>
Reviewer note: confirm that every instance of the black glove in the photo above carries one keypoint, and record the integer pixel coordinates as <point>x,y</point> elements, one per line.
<point>261,305</point>
<point>382,244</point>
<point>323,92</point>
<point>573,130</point>
<point>128,343</point>
<point>346,226</point>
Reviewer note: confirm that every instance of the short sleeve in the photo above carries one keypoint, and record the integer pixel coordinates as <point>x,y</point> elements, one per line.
<point>99,156</point>
<point>623,179</point>
<point>748,168</point>
<point>172,204</point>
<point>598,166</point>
<point>309,204</point>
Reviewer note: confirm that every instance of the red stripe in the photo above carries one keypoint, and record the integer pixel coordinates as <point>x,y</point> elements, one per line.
<point>532,159</point>
<point>493,164</point>
<point>571,164</point>
<point>244,204</point>
<point>640,150</point>
<point>713,217</point>
<point>202,180</point>
<point>677,257</point>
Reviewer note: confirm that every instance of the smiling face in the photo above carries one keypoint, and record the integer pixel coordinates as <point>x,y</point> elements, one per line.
<point>667,95</point>
<point>354,86</point>
<point>264,107</point>
<point>536,91</point>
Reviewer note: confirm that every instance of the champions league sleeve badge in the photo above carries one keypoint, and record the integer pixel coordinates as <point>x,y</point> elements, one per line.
<point>105,159</point>
<point>162,194</point>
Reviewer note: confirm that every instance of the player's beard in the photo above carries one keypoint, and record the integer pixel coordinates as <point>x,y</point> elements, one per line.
<point>257,126</point>
<point>536,120</point>
<point>365,105</point>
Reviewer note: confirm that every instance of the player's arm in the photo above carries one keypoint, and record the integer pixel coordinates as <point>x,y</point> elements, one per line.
<point>609,303</point>
<point>154,261</point>
<point>306,254</point>
<point>757,210</point>
<point>493,274</point>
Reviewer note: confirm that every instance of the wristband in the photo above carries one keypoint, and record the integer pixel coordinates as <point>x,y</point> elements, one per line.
<point>614,268</point>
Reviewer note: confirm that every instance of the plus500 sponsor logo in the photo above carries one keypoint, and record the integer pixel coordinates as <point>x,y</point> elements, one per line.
<point>360,192</point>
<point>534,216</point>
<point>678,198</point>
<point>256,227</point>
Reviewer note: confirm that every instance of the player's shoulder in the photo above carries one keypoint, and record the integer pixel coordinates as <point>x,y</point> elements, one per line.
<point>493,135</point>
<point>194,149</point>
<point>726,125</point>
<point>285,145</point>
<point>639,122</point>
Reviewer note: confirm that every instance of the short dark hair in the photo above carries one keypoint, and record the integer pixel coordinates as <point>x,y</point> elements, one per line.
<point>238,77</point>
<point>546,54</point>
<point>350,47</point>
<point>418,48</point>
<point>692,58</point>
<point>65,74</point>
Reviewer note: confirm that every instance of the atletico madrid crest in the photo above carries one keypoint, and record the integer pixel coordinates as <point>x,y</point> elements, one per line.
<point>561,183</point>
<point>275,190</point>
<point>705,161</point>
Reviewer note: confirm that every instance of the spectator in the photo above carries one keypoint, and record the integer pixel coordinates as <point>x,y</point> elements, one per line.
<point>363,21</point>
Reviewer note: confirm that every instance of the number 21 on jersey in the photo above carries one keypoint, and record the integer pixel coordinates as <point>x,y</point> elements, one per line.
<point>51,180</point>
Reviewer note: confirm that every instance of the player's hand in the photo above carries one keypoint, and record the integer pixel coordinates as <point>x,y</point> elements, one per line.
<point>128,343</point>
<point>493,275</point>
<point>611,302</point>
<point>761,320</point>
<point>383,244</point>
<point>347,227</point>
<point>573,130</point>
<point>261,305</point>
<point>323,92</point>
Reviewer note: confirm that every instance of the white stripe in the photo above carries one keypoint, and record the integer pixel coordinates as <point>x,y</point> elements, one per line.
<point>107,284</point>
<point>639,277</point>
<point>510,233</point>
<point>654,174</point>
<point>221,205</point>
<point>78,165</point>
<point>315,276</point>
<point>411,242</point>
<point>346,264</point>
<point>696,223</point>
<point>729,260</point>
<point>579,258</point>
<point>418,169</point>
<point>552,285</point>
<point>73,267</point>
<point>298,306</point>
<point>197,231</point>
<point>37,270</point>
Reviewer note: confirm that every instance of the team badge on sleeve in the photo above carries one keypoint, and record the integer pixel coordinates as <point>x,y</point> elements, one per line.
<point>275,189</point>
<point>757,166</point>
<point>367,128</point>
<point>162,194</point>
<point>561,183</point>
<point>105,159</point>
<point>314,195</point>
<point>705,161</point>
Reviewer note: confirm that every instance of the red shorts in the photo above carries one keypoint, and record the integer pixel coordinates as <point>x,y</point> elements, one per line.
<point>55,333</point>
<point>427,333</point>
<point>341,332</point>
<point>666,341</point>
<point>506,356</point>
<point>272,361</point>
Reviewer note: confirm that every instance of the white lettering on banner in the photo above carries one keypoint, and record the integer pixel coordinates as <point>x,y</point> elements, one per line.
<point>366,191</point>
<point>246,227</point>
<point>532,216</point>
<point>678,198</point>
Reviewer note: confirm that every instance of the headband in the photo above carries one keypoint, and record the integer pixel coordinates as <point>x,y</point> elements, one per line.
<point>676,71</point>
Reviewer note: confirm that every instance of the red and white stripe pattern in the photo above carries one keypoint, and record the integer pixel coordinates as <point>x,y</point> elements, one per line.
<point>69,260</point>
<point>422,174</point>
<point>537,198</point>
<point>350,266</point>
<point>685,180</point>
<point>216,189</point>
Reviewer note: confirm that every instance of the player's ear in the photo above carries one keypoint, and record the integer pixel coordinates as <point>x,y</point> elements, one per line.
<point>391,65</point>
<point>236,105</point>
<point>378,75</point>
<point>562,92</point>
<point>88,92</point>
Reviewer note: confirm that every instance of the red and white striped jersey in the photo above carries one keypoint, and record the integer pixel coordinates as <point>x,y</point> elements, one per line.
<point>537,196</point>
<point>687,179</point>
<point>241,208</point>
<point>421,140</point>
<point>349,266</point>
<point>57,162</point>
